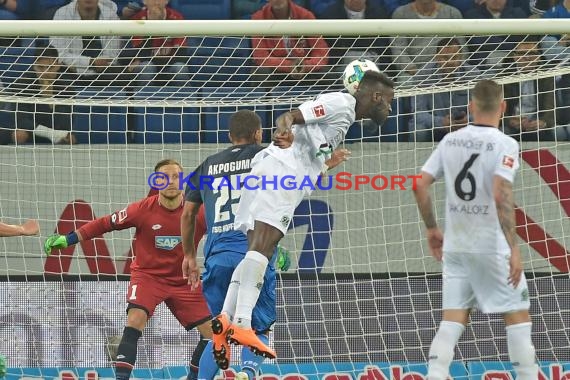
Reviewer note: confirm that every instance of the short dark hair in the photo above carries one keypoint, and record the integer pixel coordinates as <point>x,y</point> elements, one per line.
<point>488,95</point>
<point>244,124</point>
<point>371,78</point>
<point>167,161</point>
<point>46,51</point>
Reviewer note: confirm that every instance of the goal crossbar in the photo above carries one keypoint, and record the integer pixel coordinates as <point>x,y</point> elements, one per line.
<point>369,27</point>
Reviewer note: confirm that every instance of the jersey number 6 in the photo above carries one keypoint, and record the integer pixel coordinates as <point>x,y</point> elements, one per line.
<point>465,175</point>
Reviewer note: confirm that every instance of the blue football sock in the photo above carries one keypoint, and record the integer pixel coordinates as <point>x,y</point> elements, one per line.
<point>208,367</point>
<point>249,362</point>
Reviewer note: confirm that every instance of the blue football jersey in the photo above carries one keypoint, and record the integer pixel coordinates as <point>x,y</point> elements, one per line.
<point>215,183</point>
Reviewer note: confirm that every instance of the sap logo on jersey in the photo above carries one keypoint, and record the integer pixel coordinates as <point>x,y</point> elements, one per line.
<point>167,242</point>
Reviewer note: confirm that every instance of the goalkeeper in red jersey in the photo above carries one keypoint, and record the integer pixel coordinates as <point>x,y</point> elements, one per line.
<point>156,271</point>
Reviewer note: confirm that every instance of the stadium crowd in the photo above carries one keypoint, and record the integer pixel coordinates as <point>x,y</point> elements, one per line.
<point>55,66</point>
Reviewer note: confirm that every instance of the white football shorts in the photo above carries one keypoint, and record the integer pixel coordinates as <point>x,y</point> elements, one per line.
<point>475,280</point>
<point>275,198</point>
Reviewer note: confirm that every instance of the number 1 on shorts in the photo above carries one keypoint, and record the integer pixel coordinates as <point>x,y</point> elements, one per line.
<point>133,292</point>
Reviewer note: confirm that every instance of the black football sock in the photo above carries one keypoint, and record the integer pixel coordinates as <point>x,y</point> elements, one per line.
<point>127,353</point>
<point>195,361</point>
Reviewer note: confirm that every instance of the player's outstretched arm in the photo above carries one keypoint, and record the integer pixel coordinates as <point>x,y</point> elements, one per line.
<point>423,199</point>
<point>30,227</point>
<point>119,220</point>
<point>190,269</point>
<point>504,200</point>
<point>58,241</point>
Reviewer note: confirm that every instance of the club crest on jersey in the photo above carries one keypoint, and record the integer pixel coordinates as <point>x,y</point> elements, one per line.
<point>285,221</point>
<point>508,162</point>
<point>319,111</point>
<point>167,242</point>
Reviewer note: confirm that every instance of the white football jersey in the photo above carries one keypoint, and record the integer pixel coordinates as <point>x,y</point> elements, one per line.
<point>468,159</point>
<point>327,119</point>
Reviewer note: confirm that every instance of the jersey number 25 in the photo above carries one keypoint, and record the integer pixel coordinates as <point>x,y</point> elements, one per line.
<point>228,198</point>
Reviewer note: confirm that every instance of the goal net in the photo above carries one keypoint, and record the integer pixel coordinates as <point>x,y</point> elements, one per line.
<point>363,297</point>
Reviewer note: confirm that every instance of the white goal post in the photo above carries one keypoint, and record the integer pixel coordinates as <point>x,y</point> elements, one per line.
<point>365,27</point>
<point>363,297</point>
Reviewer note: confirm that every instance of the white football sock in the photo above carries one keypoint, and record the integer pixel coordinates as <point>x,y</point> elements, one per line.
<point>521,351</point>
<point>230,301</point>
<point>442,349</point>
<point>53,135</point>
<point>251,281</point>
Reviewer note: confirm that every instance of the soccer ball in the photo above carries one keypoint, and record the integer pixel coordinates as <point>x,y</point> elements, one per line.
<point>354,72</point>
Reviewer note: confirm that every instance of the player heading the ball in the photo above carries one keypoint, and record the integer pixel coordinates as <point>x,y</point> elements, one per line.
<point>304,139</point>
<point>481,260</point>
<point>225,248</point>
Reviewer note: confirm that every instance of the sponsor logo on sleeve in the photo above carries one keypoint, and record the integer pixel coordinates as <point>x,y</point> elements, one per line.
<point>508,162</point>
<point>319,111</point>
<point>118,217</point>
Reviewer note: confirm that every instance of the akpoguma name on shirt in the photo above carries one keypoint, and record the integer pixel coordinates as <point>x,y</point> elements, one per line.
<point>229,167</point>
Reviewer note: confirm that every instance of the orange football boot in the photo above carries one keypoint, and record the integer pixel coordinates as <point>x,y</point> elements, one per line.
<point>222,349</point>
<point>248,338</point>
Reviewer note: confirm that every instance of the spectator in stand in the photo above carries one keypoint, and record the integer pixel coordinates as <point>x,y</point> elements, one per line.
<point>434,115</point>
<point>530,114</point>
<point>491,51</point>
<point>158,59</point>
<point>346,49</point>
<point>42,122</point>
<point>47,9</point>
<point>91,57</point>
<point>288,60</point>
<point>126,9</point>
<point>412,53</point>
<point>243,9</point>
<point>463,6</point>
<point>495,9</point>
<point>539,7</point>
<point>557,47</point>
<point>8,10</point>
